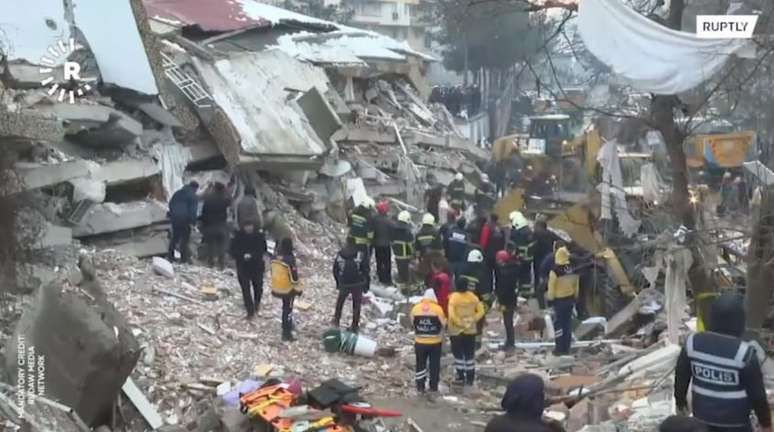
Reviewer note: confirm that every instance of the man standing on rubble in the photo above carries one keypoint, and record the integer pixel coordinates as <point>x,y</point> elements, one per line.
<point>727,382</point>
<point>382,238</point>
<point>465,312</point>
<point>215,224</point>
<point>563,289</point>
<point>456,247</point>
<point>429,247</point>
<point>521,236</point>
<point>485,196</point>
<point>456,191</point>
<point>544,241</point>
<point>248,248</point>
<point>247,210</point>
<point>433,196</point>
<point>183,211</point>
<point>361,228</point>
<point>403,246</point>
<point>492,241</point>
<point>472,275</point>
<point>429,321</point>
<point>350,272</point>
<point>506,289</point>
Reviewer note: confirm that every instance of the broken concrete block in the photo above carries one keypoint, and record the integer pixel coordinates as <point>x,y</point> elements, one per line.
<point>36,176</point>
<point>73,347</point>
<point>125,171</point>
<point>53,235</point>
<point>111,217</point>
<point>232,420</point>
<point>163,267</point>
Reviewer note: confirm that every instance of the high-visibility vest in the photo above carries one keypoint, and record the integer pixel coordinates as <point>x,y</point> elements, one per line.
<point>402,249</point>
<point>359,229</point>
<point>282,278</point>
<point>719,395</point>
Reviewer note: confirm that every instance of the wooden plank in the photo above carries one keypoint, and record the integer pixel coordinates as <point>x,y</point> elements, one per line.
<point>142,404</point>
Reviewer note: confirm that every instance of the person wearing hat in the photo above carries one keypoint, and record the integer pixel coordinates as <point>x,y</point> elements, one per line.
<point>506,290</point>
<point>429,321</point>
<point>429,247</point>
<point>402,241</point>
<point>563,289</point>
<point>456,191</point>
<point>465,311</point>
<point>723,372</point>
<point>382,239</point>
<point>485,196</point>
<point>472,276</point>
<point>521,236</point>
<point>361,227</point>
<point>523,402</point>
<point>247,210</point>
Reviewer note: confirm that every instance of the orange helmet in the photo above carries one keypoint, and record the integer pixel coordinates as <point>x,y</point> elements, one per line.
<point>383,207</point>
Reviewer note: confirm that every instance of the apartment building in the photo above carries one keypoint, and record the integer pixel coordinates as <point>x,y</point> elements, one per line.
<point>399,19</point>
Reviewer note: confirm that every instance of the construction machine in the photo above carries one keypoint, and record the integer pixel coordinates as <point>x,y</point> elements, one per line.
<point>716,153</point>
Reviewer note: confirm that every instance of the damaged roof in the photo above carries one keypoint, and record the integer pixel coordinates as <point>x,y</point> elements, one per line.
<point>346,46</point>
<point>36,28</point>
<point>252,89</point>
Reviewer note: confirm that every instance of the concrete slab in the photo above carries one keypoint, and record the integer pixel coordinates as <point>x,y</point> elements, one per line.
<point>111,217</point>
<point>145,246</point>
<point>35,176</point>
<point>203,151</point>
<point>124,171</point>
<point>366,134</point>
<point>32,126</point>
<point>53,235</point>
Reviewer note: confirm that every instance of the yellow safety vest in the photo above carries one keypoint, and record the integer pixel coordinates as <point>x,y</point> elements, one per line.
<point>282,279</point>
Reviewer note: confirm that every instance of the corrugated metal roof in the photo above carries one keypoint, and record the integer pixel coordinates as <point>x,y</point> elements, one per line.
<point>210,15</point>
<point>249,87</point>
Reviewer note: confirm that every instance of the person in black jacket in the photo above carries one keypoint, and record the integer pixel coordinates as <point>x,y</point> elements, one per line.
<point>543,245</point>
<point>506,290</point>
<point>382,242</point>
<point>351,274</point>
<point>682,424</point>
<point>457,247</point>
<point>183,209</point>
<point>725,373</point>
<point>248,248</point>
<point>403,246</point>
<point>523,402</point>
<point>215,224</point>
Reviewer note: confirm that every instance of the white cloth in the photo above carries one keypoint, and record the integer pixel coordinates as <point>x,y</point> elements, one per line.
<point>650,56</point>
<point>653,186</point>
<point>612,190</point>
<point>677,265</point>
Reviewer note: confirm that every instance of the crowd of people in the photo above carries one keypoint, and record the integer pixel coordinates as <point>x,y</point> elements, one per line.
<point>463,268</point>
<point>460,101</point>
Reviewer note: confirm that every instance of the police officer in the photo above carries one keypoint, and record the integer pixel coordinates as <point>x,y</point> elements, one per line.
<point>361,228</point>
<point>725,373</point>
<point>429,321</point>
<point>456,191</point>
<point>402,240</point>
<point>457,247</point>
<point>521,236</point>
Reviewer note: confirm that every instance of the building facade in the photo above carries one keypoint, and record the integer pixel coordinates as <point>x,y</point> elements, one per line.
<point>399,19</point>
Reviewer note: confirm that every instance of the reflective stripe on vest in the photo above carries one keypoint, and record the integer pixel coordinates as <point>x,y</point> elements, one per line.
<point>359,228</point>
<point>719,396</point>
<point>402,249</point>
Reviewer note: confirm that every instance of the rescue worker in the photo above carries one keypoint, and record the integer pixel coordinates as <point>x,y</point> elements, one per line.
<point>403,246</point>
<point>433,196</point>
<point>441,283</point>
<point>247,210</point>
<point>492,241</point>
<point>723,371</point>
<point>563,289</point>
<point>382,239</point>
<point>543,240</point>
<point>456,191</point>
<point>183,211</point>
<point>472,275</point>
<point>521,236</point>
<point>351,275</point>
<point>248,248</point>
<point>523,403</point>
<point>215,224</point>
<point>285,284</point>
<point>485,196</point>
<point>457,247</point>
<point>429,247</point>
<point>465,311</point>
<point>361,228</point>
<point>429,321</point>
<point>506,290</point>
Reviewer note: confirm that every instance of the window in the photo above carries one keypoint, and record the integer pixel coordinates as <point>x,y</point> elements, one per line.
<point>372,9</point>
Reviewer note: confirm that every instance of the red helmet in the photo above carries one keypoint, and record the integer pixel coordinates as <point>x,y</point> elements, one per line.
<point>383,207</point>
<point>502,256</point>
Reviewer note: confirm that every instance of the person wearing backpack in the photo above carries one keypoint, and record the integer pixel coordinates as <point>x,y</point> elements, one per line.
<point>285,284</point>
<point>351,272</point>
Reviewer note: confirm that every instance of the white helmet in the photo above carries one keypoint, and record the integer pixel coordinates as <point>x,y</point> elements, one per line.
<point>475,256</point>
<point>369,203</point>
<point>428,219</point>
<point>459,176</point>
<point>485,178</point>
<point>404,216</point>
<point>518,220</point>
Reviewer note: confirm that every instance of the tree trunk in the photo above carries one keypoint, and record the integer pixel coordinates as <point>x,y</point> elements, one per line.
<point>760,263</point>
<point>662,114</point>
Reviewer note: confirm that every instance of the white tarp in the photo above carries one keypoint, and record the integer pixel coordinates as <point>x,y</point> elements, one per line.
<point>171,160</point>
<point>677,263</point>
<point>653,186</point>
<point>761,172</point>
<point>612,190</point>
<point>651,57</point>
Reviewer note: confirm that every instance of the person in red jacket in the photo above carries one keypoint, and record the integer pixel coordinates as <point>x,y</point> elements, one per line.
<point>441,283</point>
